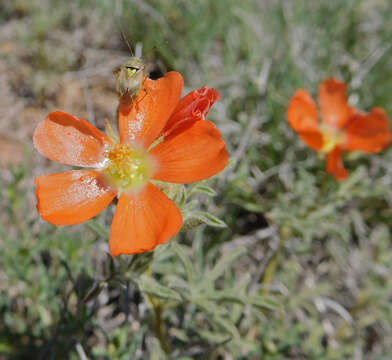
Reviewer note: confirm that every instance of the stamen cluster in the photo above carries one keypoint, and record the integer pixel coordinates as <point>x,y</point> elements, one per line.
<point>127,167</point>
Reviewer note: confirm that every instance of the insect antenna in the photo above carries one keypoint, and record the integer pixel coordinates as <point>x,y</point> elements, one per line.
<point>125,39</point>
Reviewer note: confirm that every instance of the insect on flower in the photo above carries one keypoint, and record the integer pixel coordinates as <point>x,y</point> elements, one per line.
<point>129,77</point>
<point>161,138</point>
<point>342,127</point>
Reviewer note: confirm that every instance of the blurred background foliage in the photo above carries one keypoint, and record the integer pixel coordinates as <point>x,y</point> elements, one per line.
<point>303,269</point>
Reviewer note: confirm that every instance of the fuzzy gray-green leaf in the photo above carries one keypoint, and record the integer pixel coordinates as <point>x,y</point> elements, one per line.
<point>185,260</point>
<point>152,287</point>
<point>224,263</point>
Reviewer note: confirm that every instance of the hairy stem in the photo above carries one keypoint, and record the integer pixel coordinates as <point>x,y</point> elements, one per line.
<point>158,323</point>
<point>271,266</point>
<point>269,273</point>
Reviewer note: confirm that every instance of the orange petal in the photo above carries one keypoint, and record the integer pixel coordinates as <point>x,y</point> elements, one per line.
<point>302,117</point>
<point>144,119</point>
<point>313,139</point>
<point>70,140</point>
<point>335,164</point>
<point>192,152</point>
<point>334,108</point>
<point>368,132</point>
<point>71,197</point>
<point>194,105</point>
<point>142,221</point>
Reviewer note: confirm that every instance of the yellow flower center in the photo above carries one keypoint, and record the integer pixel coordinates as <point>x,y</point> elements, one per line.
<point>127,167</point>
<point>331,137</point>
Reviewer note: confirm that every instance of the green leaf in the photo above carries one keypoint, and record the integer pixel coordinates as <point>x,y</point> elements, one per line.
<point>156,352</point>
<point>210,219</point>
<point>185,260</point>
<point>181,196</point>
<point>214,337</point>
<point>98,229</point>
<point>179,334</point>
<point>197,218</point>
<point>225,296</point>
<point>203,189</point>
<point>224,263</point>
<point>191,223</point>
<point>346,187</point>
<point>209,307</point>
<point>263,302</point>
<point>249,206</point>
<point>152,287</point>
<point>176,282</point>
<point>226,325</point>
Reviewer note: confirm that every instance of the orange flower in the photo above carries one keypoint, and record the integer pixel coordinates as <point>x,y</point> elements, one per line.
<point>161,138</point>
<point>342,127</point>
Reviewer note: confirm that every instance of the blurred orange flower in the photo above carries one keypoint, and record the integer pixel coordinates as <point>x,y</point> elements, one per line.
<point>342,127</point>
<point>161,138</point>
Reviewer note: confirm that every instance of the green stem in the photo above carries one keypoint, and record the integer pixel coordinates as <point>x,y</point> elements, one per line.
<point>158,324</point>
<point>270,269</point>
<point>269,273</point>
